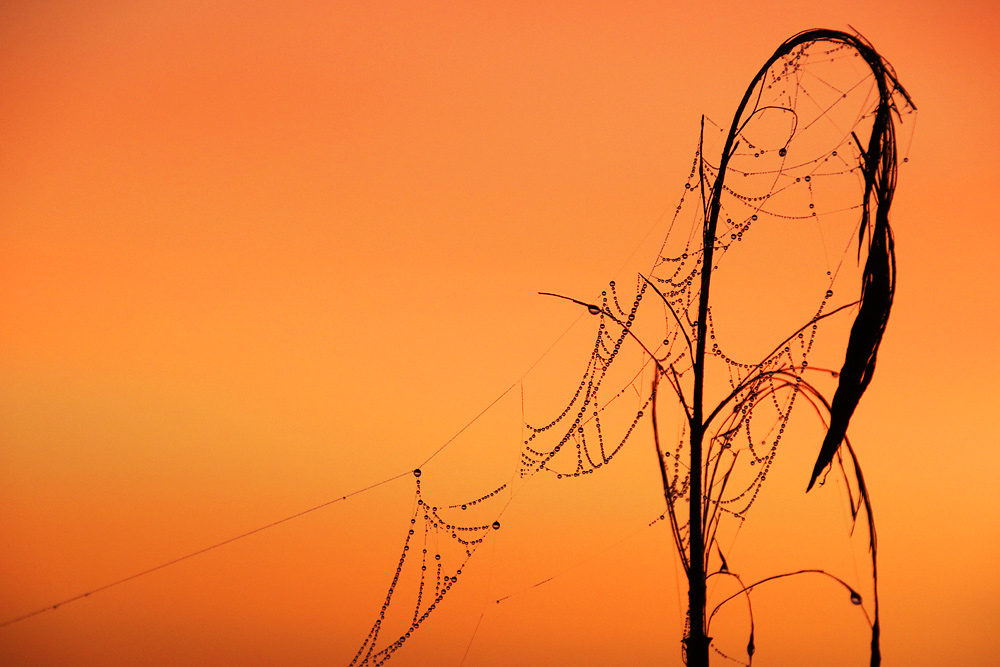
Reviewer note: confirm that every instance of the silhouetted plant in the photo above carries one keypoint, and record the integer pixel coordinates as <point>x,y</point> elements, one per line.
<point>811,149</point>
<point>777,89</point>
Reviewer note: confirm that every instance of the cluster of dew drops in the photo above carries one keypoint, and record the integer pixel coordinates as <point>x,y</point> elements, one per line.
<point>580,423</point>
<point>436,578</point>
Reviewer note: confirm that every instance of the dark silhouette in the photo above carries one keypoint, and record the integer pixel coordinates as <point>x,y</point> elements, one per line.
<point>878,163</point>
<point>805,149</point>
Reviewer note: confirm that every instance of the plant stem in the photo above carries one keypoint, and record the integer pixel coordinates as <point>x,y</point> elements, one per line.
<point>879,168</point>
<point>697,640</point>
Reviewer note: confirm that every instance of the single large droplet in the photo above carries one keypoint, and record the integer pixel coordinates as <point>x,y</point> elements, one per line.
<point>496,525</point>
<point>593,310</point>
<point>855,598</point>
<point>416,473</point>
<point>782,152</point>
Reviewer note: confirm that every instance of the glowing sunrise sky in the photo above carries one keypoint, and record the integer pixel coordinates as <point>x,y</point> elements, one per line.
<point>255,256</point>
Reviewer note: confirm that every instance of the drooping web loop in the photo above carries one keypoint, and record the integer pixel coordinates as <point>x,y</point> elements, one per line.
<point>444,549</point>
<point>778,256</point>
<point>580,423</point>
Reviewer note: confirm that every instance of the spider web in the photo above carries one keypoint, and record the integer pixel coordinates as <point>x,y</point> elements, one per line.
<point>787,263</point>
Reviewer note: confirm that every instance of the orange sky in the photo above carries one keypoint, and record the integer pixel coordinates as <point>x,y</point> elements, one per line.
<point>255,256</point>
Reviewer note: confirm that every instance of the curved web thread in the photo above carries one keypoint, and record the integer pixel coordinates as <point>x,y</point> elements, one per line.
<point>437,577</point>
<point>442,539</point>
<point>584,436</point>
<point>793,220</point>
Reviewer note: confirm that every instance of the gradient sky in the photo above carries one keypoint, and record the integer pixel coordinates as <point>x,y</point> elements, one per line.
<point>258,255</point>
